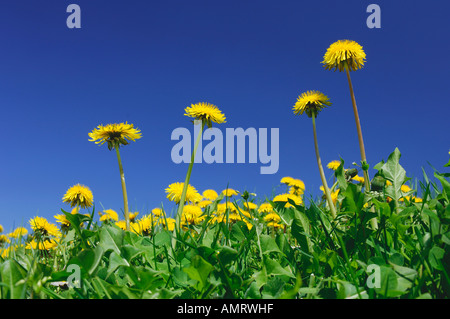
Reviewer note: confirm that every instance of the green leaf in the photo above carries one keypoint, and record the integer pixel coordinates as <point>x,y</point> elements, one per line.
<point>111,238</point>
<point>445,185</point>
<point>115,261</point>
<point>340,176</point>
<point>435,256</point>
<point>130,252</point>
<point>300,230</point>
<point>394,172</point>
<point>268,244</point>
<point>11,273</point>
<point>227,255</point>
<point>273,288</point>
<point>274,268</point>
<point>353,201</point>
<point>252,291</point>
<point>199,270</point>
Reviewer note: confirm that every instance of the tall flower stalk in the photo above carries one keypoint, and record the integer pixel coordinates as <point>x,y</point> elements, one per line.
<point>116,135</point>
<point>311,103</point>
<point>347,55</point>
<point>188,175</point>
<point>206,113</point>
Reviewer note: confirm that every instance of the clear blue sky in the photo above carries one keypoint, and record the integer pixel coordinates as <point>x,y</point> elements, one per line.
<point>145,61</point>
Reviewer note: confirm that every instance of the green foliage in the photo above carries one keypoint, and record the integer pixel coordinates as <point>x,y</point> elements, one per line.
<point>310,256</point>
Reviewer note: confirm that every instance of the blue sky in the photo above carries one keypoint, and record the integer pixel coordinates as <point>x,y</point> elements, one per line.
<point>145,61</point>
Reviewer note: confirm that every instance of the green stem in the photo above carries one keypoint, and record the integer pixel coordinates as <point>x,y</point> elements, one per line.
<point>322,174</point>
<point>188,176</point>
<point>373,221</point>
<point>124,190</point>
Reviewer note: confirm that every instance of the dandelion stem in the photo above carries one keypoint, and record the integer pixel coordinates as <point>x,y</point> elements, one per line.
<point>322,174</point>
<point>188,175</point>
<point>358,128</point>
<point>124,190</point>
<point>373,221</point>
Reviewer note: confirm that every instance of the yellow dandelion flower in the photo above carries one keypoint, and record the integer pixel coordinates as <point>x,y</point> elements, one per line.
<point>334,195</point>
<point>250,205</point>
<point>122,224</point>
<point>274,225</point>
<point>358,179</point>
<point>405,188</point>
<point>168,223</point>
<point>61,218</point>
<point>297,183</point>
<point>206,112</point>
<point>229,192</point>
<point>18,232</point>
<point>43,227</point>
<point>4,239</point>
<point>334,165</point>
<point>115,134</point>
<point>146,224</point>
<point>133,216</point>
<point>272,217</point>
<point>344,53</point>
<point>175,190</point>
<point>42,245</point>
<point>79,195</point>
<point>157,212</point>
<point>1,229</point>
<point>222,207</point>
<point>285,198</point>
<point>210,194</point>
<point>192,215</point>
<point>311,102</point>
<point>108,215</point>
<point>204,203</point>
<point>265,208</point>
<point>286,180</point>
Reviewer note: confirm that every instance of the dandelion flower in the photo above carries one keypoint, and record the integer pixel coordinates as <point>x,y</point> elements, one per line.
<point>204,203</point>
<point>272,217</point>
<point>18,232</point>
<point>265,208</point>
<point>334,165</point>
<point>229,192</point>
<point>79,195</point>
<point>311,102</point>
<point>115,134</point>
<point>1,229</point>
<point>405,188</point>
<point>342,53</point>
<point>133,216</point>
<point>4,239</point>
<point>108,214</point>
<point>358,179</point>
<point>157,212</point>
<point>192,214</point>
<point>175,190</point>
<point>205,112</point>
<point>250,205</point>
<point>168,223</point>
<point>43,227</point>
<point>285,198</point>
<point>42,245</point>
<point>334,195</point>
<point>286,180</point>
<point>210,194</point>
